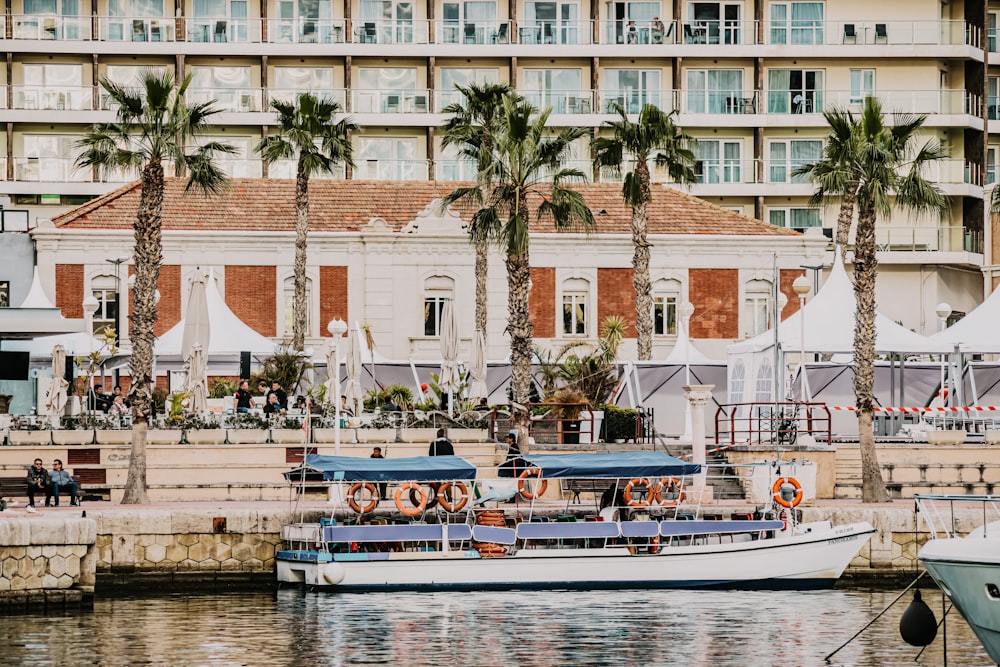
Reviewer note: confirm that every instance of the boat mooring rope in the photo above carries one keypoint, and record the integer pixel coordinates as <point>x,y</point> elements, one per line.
<point>880,614</point>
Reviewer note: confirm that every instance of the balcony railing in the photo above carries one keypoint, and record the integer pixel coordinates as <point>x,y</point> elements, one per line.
<point>241,100</point>
<point>562,101</point>
<point>927,239</point>
<point>223,29</point>
<point>239,167</point>
<point>49,170</point>
<point>137,29</point>
<point>849,33</point>
<point>306,31</point>
<point>75,98</point>
<point>390,170</point>
<point>288,95</point>
<point>371,31</point>
<point>816,101</point>
<point>40,26</point>
<point>390,101</point>
<point>633,100</point>
<point>286,169</point>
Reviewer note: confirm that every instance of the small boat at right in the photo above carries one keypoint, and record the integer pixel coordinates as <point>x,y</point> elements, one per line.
<point>966,568</point>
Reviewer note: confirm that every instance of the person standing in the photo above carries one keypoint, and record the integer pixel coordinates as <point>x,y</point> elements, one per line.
<point>61,480</point>
<point>242,400</point>
<point>382,486</point>
<point>441,446</point>
<point>511,467</point>
<point>37,482</point>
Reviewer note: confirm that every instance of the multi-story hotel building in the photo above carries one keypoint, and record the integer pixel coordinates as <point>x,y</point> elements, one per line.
<point>749,80</point>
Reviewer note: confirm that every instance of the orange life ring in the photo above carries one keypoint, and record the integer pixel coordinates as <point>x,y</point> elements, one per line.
<point>668,484</point>
<point>446,504</point>
<point>418,508</point>
<point>431,496</point>
<point>776,491</point>
<point>352,499</point>
<point>654,546</point>
<point>634,482</point>
<point>521,487</point>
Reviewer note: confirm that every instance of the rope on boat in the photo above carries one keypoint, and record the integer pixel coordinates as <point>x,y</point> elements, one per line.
<point>940,623</point>
<point>880,614</point>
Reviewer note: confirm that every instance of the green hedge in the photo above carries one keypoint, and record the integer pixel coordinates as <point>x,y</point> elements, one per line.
<point>619,423</point>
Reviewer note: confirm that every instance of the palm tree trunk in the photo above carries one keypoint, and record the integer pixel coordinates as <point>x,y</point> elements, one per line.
<point>519,328</point>
<point>640,269</point>
<point>301,231</point>
<point>846,216</point>
<point>482,270</point>
<point>865,269</point>
<point>148,257</point>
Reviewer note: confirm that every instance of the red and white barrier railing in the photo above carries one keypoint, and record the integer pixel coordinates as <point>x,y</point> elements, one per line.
<point>909,410</point>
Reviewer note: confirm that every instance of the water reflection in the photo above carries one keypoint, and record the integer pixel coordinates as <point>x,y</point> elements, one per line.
<point>509,628</point>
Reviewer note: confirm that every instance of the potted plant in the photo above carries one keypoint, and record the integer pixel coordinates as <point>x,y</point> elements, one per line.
<point>247,428</point>
<point>199,431</point>
<point>619,423</point>
<point>30,432</point>
<point>76,430</point>
<point>111,430</point>
<point>566,405</point>
<point>288,430</point>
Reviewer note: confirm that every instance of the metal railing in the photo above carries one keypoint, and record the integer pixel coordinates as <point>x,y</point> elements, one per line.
<point>137,29</point>
<point>376,31</point>
<point>45,26</point>
<point>243,100</point>
<point>777,424</point>
<point>561,101</point>
<point>221,29</point>
<point>288,95</point>
<point>927,239</point>
<point>60,98</point>
<point>391,170</point>
<point>306,31</point>
<point>411,100</point>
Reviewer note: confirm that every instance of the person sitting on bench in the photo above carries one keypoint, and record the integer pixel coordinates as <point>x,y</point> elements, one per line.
<point>38,482</point>
<point>60,480</point>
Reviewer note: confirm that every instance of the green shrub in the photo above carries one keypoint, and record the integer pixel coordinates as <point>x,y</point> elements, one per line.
<point>619,423</point>
<point>222,388</point>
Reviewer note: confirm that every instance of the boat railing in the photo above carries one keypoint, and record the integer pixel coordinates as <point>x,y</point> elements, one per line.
<point>939,512</point>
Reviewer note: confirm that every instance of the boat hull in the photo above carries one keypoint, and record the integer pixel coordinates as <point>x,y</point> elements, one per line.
<point>814,560</point>
<point>963,568</point>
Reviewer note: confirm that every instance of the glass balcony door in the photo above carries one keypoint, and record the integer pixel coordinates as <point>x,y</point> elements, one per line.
<point>714,91</point>
<point>305,21</point>
<point>794,91</point>
<point>462,76</point>
<point>133,21</point>
<point>392,21</point>
<point>785,156</point>
<point>48,158</point>
<point>52,19</point>
<point>552,88</point>
<point>713,23</point>
<point>796,23</point>
<point>718,161</point>
<point>220,21</point>
<point>620,13</point>
<point>388,159</point>
<point>228,87</point>
<point>631,88</point>
<point>469,22</point>
<point>550,23</point>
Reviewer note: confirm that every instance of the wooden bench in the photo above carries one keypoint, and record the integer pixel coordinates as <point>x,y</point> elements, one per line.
<point>17,487</point>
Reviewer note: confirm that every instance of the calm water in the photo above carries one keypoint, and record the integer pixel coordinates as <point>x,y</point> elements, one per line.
<point>518,628</point>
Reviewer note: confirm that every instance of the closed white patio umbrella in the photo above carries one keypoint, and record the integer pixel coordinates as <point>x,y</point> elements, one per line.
<point>477,371</point>
<point>449,380</point>
<point>355,399</point>
<point>57,392</point>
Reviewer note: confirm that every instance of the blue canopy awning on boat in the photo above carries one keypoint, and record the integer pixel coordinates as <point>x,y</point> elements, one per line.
<point>612,465</point>
<point>415,469</point>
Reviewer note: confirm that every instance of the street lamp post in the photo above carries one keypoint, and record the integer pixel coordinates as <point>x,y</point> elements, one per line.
<point>801,287</point>
<point>943,311</point>
<point>90,307</point>
<point>337,329</point>
<point>685,311</point>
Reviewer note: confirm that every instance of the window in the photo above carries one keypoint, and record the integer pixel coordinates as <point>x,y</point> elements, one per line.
<point>574,307</point>
<point>437,290</point>
<point>52,87</point>
<point>737,382</point>
<point>52,19</point>
<point>243,162</point>
<point>228,87</point>
<point>4,294</point>
<point>993,98</point>
<point>797,23</point>
<point>289,294</point>
<point>991,166</point>
<point>128,21</point>
<point>462,76</point>
<point>288,82</point>
<point>618,14</point>
<point>632,88</point>
<point>714,91</point>
<point>550,22</point>
<point>307,21</point>
<point>991,32</point>
<point>787,155</point>
<point>794,91</point>
<point>717,161</point>
<point>219,21</point>
<point>765,382</point>
<point>757,307</point>
<point>713,23</point>
<point>47,157</point>
<point>388,159</point>
<point>394,20</point>
<point>552,88</point>
<point>382,89</point>
<point>666,295</point>
<point>862,85</point>
<point>797,218</point>
<point>472,22</point>
<point>105,290</point>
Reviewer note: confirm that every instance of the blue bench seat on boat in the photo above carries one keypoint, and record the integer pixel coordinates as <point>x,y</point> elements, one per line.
<point>407,533</point>
<point>640,528</point>
<point>685,528</point>
<point>567,530</point>
<point>494,534</point>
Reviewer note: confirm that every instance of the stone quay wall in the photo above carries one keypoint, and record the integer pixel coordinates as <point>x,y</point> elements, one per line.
<point>46,562</point>
<point>53,559</point>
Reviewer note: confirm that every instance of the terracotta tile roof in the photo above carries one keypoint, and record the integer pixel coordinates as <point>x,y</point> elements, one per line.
<point>340,205</point>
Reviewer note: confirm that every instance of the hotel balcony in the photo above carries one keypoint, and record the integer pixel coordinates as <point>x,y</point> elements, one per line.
<point>211,35</point>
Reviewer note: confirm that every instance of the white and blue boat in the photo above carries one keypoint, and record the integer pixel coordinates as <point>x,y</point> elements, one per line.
<point>640,544</point>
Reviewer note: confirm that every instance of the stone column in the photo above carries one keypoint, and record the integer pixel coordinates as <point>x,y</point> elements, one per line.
<point>697,396</point>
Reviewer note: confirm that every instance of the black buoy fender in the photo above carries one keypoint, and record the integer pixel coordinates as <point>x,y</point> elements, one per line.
<point>918,627</point>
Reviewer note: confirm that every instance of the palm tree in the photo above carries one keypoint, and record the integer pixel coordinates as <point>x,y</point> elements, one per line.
<point>309,132</point>
<point>151,127</point>
<point>471,128</point>
<point>653,137</point>
<point>883,166</point>
<point>522,168</point>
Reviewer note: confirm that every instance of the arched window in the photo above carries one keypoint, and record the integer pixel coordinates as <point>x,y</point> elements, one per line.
<point>289,292</point>
<point>765,382</point>
<point>105,290</point>
<point>575,297</point>
<point>737,382</point>
<point>437,290</point>
<point>757,307</point>
<point>666,296</point>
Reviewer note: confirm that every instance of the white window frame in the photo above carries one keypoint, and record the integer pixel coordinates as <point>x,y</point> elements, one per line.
<point>288,302</point>
<point>722,169</point>
<point>438,289</point>
<point>785,166</point>
<point>574,304</point>
<point>757,307</point>
<point>862,84</point>
<point>104,288</point>
<point>786,213</point>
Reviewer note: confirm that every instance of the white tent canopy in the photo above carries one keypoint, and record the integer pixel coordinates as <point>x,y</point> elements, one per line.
<point>685,352</point>
<point>228,334</point>
<point>829,326</point>
<point>976,332</point>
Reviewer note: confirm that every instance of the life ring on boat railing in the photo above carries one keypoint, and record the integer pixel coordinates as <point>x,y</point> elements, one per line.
<point>784,520</point>
<point>418,508</point>
<point>669,485</point>
<point>443,497</point>
<point>776,491</point>
<point>431,497</point>
<point>352,499</point>
<point>654,545</point>
<point>642,502</point>
<point>522,487</point>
